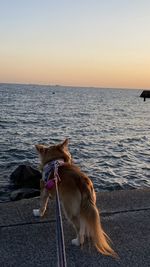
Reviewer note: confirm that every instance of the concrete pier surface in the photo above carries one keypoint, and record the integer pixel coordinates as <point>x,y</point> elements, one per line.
<point>26,241</point>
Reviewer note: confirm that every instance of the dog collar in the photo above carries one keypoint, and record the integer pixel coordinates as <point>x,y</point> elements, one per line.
<point>50,167</point>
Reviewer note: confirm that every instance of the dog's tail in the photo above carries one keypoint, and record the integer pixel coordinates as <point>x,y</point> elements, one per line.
<point>90,215</point>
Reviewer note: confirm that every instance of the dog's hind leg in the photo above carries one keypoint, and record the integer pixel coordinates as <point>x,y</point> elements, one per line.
<point>80,228</point>
<point>76,224</point>
<point>82,231</point>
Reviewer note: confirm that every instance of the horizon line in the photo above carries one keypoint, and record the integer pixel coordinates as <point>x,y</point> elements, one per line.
<point>73,86</point>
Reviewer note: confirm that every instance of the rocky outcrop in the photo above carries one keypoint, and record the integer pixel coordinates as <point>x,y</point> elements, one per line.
<point>26,181</point>
<point>24,193</point>
<point>26,176</point>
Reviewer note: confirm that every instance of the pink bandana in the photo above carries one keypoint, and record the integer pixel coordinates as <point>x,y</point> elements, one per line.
<point>47,170</point>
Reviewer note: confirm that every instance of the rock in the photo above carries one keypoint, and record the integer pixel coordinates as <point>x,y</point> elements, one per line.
<point>24,193</point>
<point>26,176</point>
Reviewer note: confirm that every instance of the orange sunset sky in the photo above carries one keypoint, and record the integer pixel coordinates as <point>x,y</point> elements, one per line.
<point>79,43</point>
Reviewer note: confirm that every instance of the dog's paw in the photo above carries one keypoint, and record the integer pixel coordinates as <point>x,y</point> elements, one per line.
<point>75,242</point>
<point>36,212</point>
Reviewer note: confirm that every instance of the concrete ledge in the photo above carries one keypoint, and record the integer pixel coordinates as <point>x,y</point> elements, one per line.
<point>27,241</point>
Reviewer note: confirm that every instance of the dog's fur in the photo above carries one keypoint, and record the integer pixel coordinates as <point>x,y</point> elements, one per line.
<point>77,196</point>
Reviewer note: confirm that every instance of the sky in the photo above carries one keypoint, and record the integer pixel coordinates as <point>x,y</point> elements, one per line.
<point>91,43</point>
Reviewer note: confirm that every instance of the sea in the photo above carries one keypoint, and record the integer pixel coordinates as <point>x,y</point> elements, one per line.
<point>108,131</point>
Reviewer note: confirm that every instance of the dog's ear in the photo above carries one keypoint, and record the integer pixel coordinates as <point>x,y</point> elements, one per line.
<point>64,145</point>
<point>40,148</point>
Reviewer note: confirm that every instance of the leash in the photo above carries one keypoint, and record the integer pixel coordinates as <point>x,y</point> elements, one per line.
<point>61,255</point>
<point>49,184</point>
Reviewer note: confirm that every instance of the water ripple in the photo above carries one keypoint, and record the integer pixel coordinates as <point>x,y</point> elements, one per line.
<point>109,132</point>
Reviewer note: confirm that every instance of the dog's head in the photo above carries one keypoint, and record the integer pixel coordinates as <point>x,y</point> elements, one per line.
<point>54,152</point>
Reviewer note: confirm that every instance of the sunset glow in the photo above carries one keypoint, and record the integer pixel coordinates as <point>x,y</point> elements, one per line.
<point>78,43</point>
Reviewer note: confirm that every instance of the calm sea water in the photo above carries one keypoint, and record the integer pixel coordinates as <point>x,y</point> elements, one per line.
<point>109,132</point>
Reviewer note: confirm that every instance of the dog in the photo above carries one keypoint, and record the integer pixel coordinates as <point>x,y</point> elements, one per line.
<point>76,193</point>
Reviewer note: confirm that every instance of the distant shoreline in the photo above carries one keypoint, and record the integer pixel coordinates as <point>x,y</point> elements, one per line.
<point>72,86</point>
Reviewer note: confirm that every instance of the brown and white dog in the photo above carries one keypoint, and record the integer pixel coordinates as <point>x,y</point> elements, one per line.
<point>77,197</point>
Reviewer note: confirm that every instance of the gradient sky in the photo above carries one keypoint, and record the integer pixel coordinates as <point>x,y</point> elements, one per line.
<point>76,42</point>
